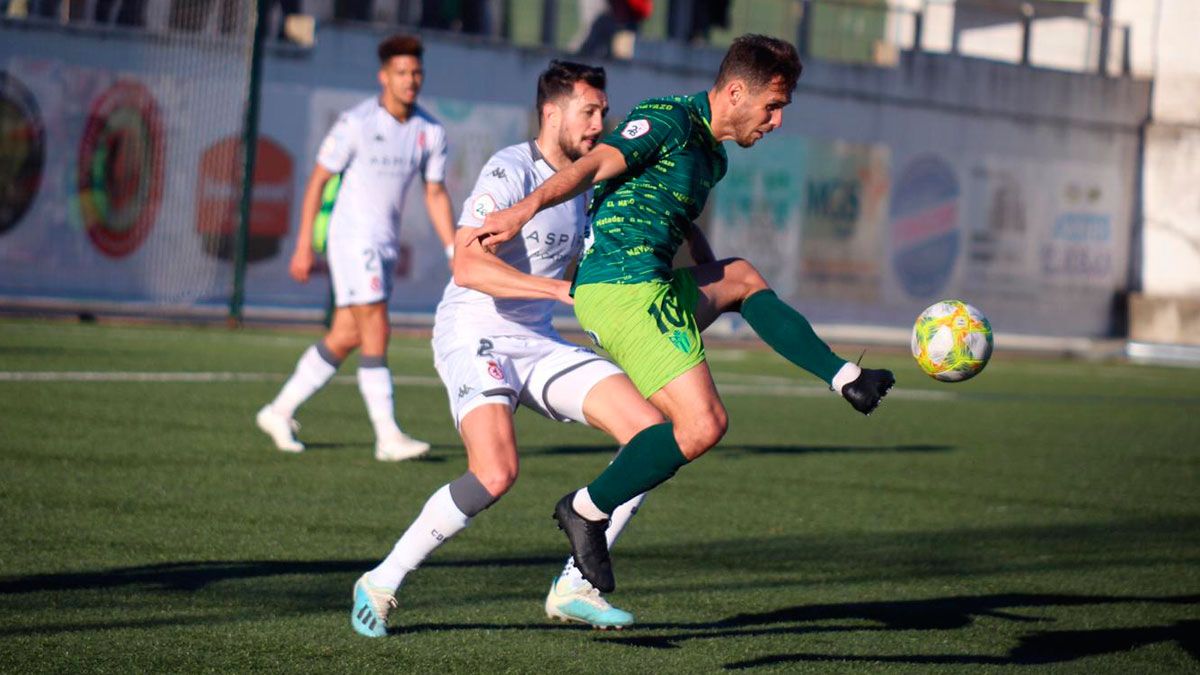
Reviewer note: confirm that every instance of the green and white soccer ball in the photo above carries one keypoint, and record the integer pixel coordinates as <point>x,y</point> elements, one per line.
<point>952,341</point>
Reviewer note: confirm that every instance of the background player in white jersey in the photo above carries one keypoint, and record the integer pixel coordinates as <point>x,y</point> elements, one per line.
<point>495,349</point>
<point>378,147</point>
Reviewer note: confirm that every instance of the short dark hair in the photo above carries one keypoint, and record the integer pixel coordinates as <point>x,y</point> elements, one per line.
<point>759,59</point>
<point>559,80</point>
<point>400,45</point>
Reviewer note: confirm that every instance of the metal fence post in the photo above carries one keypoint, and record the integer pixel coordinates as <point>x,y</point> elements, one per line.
<point>1026,31</point>
<point>804,29</point>
<point>918,30</point>
<point>1105,36</point>
<point>249,150</point>
<point>549,22</point>
<point>1126,52</point>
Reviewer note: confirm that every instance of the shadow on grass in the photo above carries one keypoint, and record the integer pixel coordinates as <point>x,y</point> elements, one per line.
<point>308,446</point>
<point>195,575</point>
<point>1036,647</point>
<point>735,448</point>
<point>438,453</point>
<point>832,449</point>
<point>1065,550</point>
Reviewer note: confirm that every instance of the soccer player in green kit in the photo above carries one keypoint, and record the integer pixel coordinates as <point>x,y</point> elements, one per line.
<point>655,172</point>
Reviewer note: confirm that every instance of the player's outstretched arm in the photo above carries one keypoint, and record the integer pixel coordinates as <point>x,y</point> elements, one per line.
<point>441,214</point>
<point>477,269</point>
<point>602,163</point>
<point>302,259</point>
<point>699,247</point>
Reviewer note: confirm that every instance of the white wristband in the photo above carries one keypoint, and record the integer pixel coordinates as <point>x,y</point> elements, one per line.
<point>449,251</point>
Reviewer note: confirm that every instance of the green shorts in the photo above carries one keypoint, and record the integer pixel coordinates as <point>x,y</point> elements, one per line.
<point>649,328</point>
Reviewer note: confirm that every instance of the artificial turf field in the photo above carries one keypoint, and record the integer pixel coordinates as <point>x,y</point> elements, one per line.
<point>1045,516</point>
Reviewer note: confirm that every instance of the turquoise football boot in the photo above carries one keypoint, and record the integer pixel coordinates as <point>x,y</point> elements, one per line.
<point>580,602</point>
<point>369,614</point>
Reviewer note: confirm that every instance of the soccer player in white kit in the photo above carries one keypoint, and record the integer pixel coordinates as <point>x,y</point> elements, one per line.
<point>379,147</point>
<point>495,349</point>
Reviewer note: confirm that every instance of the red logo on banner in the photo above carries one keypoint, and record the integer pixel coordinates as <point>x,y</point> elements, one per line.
<point>219,197</point>
<point>120,168</point>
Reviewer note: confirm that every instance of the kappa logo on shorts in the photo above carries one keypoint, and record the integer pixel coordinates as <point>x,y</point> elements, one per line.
<point>464,390</point>
<point>483,205</point>
<point>636,128</point>
<point>494,371</point>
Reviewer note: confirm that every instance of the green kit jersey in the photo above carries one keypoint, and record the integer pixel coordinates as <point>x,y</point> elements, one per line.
<point>640,218</point>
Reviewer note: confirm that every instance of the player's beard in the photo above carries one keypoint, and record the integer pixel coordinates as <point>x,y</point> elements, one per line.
<point>406,97</point>
<point>747,138</point>
<point>748,128</point>
<point>573,151</point>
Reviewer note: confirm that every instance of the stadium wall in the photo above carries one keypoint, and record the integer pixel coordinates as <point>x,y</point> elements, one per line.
<point>1166,308</point>
<point>885,190</point>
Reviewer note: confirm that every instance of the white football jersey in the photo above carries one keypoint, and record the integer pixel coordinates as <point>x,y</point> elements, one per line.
<point>378,157</point>
<point>544,247</point>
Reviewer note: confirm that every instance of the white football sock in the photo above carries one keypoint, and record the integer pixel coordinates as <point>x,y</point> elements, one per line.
<point>312,372</point>
<point>584,506</point>
<point>440,519</point>
<point>376,387</point>
<point>848,373</point>
<point>620,518</point>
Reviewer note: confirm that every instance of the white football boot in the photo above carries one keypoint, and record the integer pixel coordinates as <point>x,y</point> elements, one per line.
<point>579,601</point>
<point>399,446</point>
<point>282,430</point>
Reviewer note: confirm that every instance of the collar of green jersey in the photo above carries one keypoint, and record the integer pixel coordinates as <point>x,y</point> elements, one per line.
<point>700,100</point>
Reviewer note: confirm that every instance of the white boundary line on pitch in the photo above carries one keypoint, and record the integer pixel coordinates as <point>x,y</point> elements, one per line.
<point>749,385</point>
<point>200,377</point>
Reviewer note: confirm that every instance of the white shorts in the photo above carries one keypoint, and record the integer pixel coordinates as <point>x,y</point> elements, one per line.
<point>550,376</point>
<point>361,272</point>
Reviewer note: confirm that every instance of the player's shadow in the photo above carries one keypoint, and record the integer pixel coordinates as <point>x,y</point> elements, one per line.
<point>742,448</point>
<point>560,450</point>
<point>1036,647</point>
<point>322,447</point>
<point>828,449</point>
<point>196,575</point>
<point>433,456</point>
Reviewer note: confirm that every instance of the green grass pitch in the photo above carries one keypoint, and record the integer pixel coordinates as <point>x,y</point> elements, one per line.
<point>1042,517</point>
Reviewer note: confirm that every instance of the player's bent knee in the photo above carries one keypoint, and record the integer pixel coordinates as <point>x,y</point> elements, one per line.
<point>340,344</point>
<point>344,343</point>
<point>701,433</point>
<point>645,417</point>
<point>636,419</point>
<point>747,276</point>
<point>498,480</point>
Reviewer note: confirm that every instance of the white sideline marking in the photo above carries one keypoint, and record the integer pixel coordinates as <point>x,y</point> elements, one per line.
<point>734,385</point>
<point>118,376</point>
